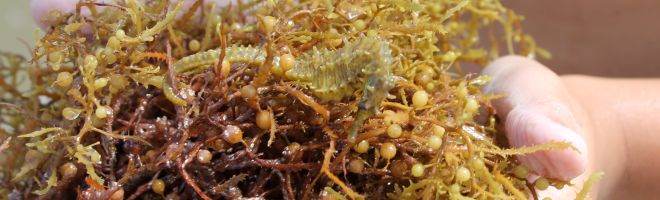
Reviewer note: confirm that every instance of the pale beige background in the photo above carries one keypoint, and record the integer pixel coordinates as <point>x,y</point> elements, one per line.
<point>16,22</point>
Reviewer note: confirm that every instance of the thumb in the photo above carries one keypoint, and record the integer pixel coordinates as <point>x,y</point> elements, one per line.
<point>537,109</point>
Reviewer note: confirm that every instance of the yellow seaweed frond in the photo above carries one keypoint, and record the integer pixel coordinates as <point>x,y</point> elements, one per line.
<point>554,145</point>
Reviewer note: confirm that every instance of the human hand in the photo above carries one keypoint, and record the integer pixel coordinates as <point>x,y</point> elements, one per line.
<point>538,108</point>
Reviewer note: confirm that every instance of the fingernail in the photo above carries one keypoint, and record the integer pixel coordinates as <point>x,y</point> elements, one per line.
<point>536,129</point>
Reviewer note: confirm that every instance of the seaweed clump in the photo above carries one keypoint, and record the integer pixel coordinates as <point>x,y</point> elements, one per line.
<point>263,100</point>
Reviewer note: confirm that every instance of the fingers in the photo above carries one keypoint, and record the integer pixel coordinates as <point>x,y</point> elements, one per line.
<point>41,8</point>
<point>538,109</point>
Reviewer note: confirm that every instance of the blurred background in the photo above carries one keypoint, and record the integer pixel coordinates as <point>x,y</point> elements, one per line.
<point>597,37</point>
<point>16,22</point>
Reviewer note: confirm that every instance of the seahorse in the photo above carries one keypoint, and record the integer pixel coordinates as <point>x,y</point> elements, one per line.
<point>331,75</point>
<point>203,60</point>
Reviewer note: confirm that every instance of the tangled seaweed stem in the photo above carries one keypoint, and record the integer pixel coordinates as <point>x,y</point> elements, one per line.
<point>593,178</point>
<point>276,107</point>
<point>325,169</point>
<point>186,177</point>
